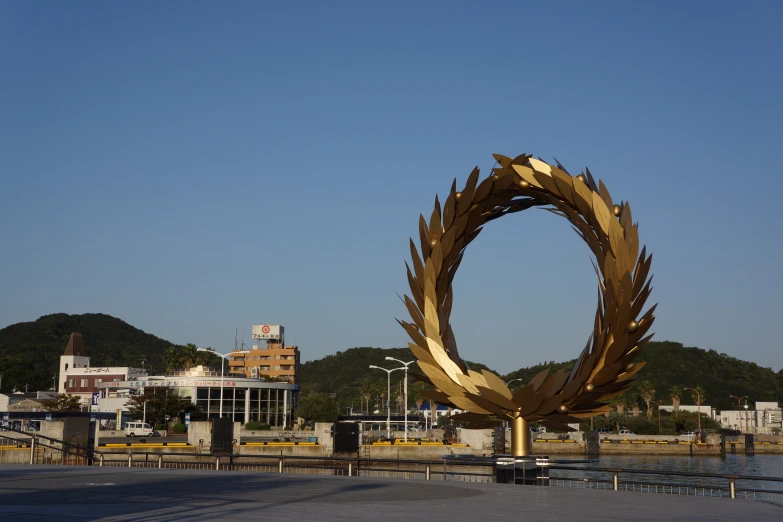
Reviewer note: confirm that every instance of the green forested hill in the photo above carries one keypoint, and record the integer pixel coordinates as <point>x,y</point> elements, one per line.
<point>668,364</point>
<point>344,373</point>
<point>30,352</point>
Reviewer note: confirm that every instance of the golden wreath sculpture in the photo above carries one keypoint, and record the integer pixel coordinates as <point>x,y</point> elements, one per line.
<point>604,367</point>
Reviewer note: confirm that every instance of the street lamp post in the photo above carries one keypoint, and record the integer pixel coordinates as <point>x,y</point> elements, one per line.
<point>405,393</point>
<point>388,393</point>
<point>739,407</point>
<point>698,406</point>
<point>222,361</point>
<point>659,415</point>
<point>746,417</point>
<point>505,424</point>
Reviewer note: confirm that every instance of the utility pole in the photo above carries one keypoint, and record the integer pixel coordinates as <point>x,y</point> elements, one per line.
<point>739,407</point>
<point>659,415</point>
<point>405,393</point>
<point>698,406</point>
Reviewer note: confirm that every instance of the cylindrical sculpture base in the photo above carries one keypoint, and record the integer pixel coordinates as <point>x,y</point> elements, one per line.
<point>520,438</point>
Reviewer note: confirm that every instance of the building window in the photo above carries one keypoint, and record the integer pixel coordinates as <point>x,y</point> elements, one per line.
<point>71,383</point>
<point>98,381</point>
<point>66,367</point>
<point>265,368</point>
<point>83,383</point>
<point>257,358</point>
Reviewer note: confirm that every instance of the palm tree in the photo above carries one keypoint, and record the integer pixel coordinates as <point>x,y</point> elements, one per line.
<point>616,415</point>
<point>675,392</point>
<point>433,414</point>
<point>170,358</point>
<point>647,392</point>
<point>379,390</point>
<point>189,355</point>
<point>365,391</point>
<point>702,394</point>
<point>415,393</point>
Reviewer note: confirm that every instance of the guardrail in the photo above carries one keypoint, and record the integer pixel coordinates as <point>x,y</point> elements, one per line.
<point>38,449</point>
<point>462,471</point>
<point>714,484</point>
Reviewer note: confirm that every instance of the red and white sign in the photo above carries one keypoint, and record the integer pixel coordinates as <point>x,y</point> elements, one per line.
<point>267,331</point>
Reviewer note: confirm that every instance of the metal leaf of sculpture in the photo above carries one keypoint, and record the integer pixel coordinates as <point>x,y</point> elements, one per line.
<point>604,367</point>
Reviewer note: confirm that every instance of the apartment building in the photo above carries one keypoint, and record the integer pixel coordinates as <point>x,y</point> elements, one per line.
<point>269,358</point>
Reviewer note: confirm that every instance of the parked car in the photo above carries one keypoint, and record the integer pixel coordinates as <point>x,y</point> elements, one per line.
<point>627,432</point>
<point>142,429</point>
<point>689,435</point>
<point>538,429</point>
<point>604,430</point>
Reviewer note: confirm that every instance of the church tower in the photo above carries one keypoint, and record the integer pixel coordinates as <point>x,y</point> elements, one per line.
<point>74,357</point>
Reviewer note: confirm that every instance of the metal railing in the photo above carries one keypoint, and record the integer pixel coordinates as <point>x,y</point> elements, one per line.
<point>40,449</point>
<point>345,466</point>
<point>25,448</point>
<point>712,484</point>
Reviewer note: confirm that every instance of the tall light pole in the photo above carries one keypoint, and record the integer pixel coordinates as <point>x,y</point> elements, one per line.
<point>405,393</point>
<point>222,361</point>
<point>698,406</point>
<point>659,415</point>
<point>505,423</point>
<point>388,393</point>
<point>746,417</point>
<point>739,407</point>
<point>512,380</point>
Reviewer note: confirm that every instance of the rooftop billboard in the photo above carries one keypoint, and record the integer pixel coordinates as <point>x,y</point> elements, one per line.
<point>268,331</point>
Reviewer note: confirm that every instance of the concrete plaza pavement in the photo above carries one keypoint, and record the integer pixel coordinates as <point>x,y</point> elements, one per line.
<point>65,493</point>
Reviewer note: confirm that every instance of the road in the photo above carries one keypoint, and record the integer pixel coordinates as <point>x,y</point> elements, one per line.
<point>155,439</point>
<point>123,494</point>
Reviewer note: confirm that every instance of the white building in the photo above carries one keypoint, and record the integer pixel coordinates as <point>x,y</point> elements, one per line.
<point>704,408</point>
<point>764,419</point>
<point>243,399</point>
<point>8,400</point>
<point>77,377</point>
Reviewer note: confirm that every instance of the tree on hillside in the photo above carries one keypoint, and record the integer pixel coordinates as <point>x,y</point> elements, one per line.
<point>647,393</point>
<point>675,392</point>
<point>318,407</point>
<point>63,402</point>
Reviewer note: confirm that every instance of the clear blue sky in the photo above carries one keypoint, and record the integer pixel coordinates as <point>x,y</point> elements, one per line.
<point>195,167</point>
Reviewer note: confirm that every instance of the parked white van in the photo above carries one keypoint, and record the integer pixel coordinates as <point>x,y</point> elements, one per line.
<point>142,429</point>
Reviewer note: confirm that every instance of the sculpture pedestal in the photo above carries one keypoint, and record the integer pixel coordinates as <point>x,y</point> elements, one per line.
<point>528,471</point>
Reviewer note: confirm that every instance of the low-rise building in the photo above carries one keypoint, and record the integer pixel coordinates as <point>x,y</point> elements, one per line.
<point>241,398</point>
<point>766,418</point>
<point>705,409</point>
<point>77,377</point>
<point>19,401</point>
